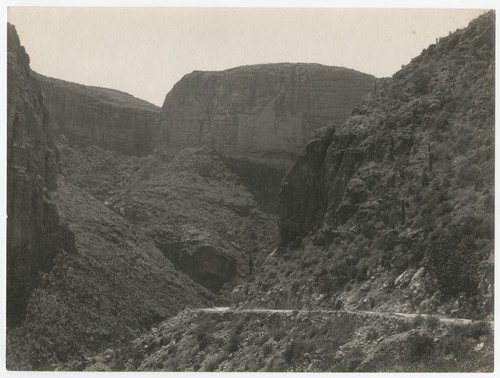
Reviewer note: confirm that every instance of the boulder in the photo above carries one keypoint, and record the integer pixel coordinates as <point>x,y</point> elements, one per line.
<point>404,278</point>
<point>239,295</point>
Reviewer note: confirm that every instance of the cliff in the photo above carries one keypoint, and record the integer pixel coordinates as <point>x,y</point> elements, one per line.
<point>265,112</point>
<point>80,277</point>
<point>105,117</point>
<point>408,182</point>
<point>34,232</point>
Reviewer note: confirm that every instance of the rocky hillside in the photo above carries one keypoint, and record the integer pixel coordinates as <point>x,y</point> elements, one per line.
<point>318,341</point>
<point>264,112</point>
<point>194,209</point>
<point>202,218</point>
<point>34,232</point>
<point>395,206</point>
<point>105,117</point>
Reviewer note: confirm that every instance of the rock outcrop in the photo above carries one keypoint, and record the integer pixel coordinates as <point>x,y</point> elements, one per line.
<point>105,117</point>
<point>34,233</point>
<point>266,112</point>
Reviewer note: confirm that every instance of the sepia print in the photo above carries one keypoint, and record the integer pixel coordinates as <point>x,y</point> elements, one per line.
<point>300,190</point>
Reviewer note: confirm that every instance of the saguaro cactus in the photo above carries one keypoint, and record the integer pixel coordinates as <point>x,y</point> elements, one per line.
<point>430,158</point>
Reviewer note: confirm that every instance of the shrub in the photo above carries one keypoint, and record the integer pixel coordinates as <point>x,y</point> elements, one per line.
<point>234,343</point>
<point>213,365</point>
<point>419,346</point>
<point>267,349</point>
<point>432,322</point>
<point>296,349</point>
<point>277,333</point>
<point>261,340</point>
<point>403,326</point>
<point>469,174</point>
<point>372,334</point>
<point>326,285</point>
<point>477,329</point>
<point>158,366</point>
<point>202,338</point>
<point>455,343</point>
<point>172,349</point>
<point>454,266</point>
<point>421,79</point>
<point>352,359</point>
<point>418,321</point>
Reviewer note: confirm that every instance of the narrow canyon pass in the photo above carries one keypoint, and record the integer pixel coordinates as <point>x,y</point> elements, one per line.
<point>271,217</point>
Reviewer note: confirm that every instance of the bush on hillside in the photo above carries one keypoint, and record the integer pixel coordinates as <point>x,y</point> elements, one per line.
<point>420,346</point>
<point>454,266</point>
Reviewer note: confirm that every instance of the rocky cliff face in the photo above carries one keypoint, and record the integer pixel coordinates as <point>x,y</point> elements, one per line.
<point>263,111</point>
<point>34,232</point>
<point>408,180</point>
<point>108,118</point>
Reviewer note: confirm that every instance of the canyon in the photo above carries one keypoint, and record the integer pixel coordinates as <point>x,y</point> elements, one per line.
<point>315,201</point>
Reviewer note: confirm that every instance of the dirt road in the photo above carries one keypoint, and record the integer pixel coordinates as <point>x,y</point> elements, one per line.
<point>288,311</point>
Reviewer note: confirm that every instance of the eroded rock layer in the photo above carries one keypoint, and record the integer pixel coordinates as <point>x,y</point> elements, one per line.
<point>263,111</point>
<point>105,117</point>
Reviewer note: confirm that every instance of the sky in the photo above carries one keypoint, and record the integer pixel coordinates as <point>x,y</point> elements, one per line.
<point>145,51</point>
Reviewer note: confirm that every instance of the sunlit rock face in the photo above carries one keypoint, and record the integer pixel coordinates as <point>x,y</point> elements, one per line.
<point>266,112</point>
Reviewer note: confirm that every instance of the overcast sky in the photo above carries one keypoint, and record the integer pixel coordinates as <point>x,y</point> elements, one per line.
<point>145,51</point>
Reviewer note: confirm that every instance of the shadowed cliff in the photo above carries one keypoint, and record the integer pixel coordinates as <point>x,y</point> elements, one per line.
<point>34,232</point>
<point>105,117</point>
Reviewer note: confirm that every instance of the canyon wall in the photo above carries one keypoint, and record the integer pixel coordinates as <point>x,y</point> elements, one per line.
<point>262,111</point>
<point>34,232</point>
<point>105,117</point>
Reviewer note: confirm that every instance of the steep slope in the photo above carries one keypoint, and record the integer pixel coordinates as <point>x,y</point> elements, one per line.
<point>396,204</point>
<point>265,112</point>
<point>116,285</point>
<point>34,233</point>
<point>105,117</point>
